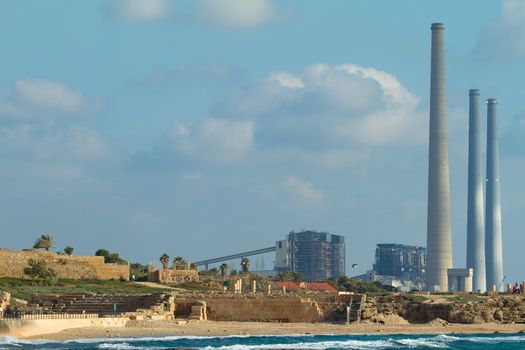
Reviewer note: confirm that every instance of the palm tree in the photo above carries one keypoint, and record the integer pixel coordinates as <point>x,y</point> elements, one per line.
<point>44,242</point>
<point>165,260</point>
<point>179,263</point>
<point>245,265</point>
<point>68,250</point>
<point>224,269</point>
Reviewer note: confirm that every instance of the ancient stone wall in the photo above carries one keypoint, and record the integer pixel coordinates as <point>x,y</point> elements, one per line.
<point>5,299</point>
<point>172,276</point>
<point>260,308</point>
<point>12,264</point>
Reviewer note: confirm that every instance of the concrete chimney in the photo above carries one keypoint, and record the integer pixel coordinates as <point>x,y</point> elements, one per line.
<point>439,236</point>
<point>493,244</point>
<point>475,214</point>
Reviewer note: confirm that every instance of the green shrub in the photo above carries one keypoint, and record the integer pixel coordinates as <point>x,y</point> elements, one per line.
<point>38,269</point>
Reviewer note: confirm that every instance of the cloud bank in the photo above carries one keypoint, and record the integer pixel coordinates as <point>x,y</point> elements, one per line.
<point>505,36</point>
<point>138,10</point>
<point>233,14</point>
<point>39,97</point>
<point>336,105</point>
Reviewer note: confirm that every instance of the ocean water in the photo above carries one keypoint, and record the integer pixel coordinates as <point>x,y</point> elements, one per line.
<point>321,342</point>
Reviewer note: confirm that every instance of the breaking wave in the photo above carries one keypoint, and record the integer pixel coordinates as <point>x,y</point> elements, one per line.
<point>296,342</point>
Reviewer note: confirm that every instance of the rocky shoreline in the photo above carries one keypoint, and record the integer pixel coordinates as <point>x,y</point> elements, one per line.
<point>461,309</point>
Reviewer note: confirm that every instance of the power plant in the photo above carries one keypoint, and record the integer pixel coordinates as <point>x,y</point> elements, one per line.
<point>320,255</point>
<point>484,265</point>
<point>475,214</point>
<point>439,236</point>
<point>493,242</point>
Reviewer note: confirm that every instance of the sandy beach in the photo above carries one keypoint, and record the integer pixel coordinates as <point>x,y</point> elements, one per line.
<point>210,328</point>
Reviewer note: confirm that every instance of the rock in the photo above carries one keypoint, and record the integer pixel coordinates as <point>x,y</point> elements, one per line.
<point>438,322</point>
<point>389,319</point>
<point>487,316</point>
<point>498,315</point>
<point>368,313</point>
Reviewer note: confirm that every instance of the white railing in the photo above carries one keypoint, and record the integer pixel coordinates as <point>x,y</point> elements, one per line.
<point>40,316</point>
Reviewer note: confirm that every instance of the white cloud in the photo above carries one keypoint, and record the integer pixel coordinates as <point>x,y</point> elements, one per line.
<point>330,106</point>
<point>138,10</point>
<point>236,13</point>
<point>303,191</point>
<point>40,97</point>
<point>215,140</point>
<point>87,144</point>
<point>48,143</point>
<point>505,36</point>
<point>287,80</point>
<point>50,95</point>
<point>329,117</point>
<point>7,107</point>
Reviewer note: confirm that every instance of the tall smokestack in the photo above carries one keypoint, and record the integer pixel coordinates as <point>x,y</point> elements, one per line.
<point>439,236</point>
<point>493,244</point>
<point>475,215</point>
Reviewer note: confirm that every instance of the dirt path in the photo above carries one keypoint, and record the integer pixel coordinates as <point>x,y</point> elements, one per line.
<point>156,285</point>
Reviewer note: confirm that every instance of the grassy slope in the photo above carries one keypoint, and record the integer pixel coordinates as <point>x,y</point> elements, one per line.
<point>24,289</point>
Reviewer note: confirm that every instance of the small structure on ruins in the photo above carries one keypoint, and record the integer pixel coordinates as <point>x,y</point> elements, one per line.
<point>173,276</point>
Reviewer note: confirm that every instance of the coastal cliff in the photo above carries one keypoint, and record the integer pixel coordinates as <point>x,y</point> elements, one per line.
<point>465,309</point>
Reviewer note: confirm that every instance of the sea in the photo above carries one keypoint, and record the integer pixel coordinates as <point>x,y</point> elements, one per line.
<point>321,342</point>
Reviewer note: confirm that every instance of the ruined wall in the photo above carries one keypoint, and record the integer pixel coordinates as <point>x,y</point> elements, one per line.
<point>5,300</point>
<point>30,328</point>
<point>260,308</point>
<point>169,276</point>
<point>12,264</point>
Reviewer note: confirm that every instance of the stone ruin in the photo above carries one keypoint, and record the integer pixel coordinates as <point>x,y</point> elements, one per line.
<point>12,264</point>
<point>173,276</point>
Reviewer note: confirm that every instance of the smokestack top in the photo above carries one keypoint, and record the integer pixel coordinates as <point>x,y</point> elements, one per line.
<point>492,101</point>
<point>473,92</point>
<point>437,26</point>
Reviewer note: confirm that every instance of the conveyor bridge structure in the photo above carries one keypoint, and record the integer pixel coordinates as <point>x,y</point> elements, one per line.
<point>206,262</point>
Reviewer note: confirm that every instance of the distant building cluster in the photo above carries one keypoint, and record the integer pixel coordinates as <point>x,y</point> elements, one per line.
<point>317,256</point>
<point>398,265</point>
<point>404,262</point>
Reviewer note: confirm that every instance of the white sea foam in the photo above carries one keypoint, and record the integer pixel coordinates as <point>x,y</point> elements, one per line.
<point>295,341</point>
<point>439,341</point>
<point>14,341</point>
<point>341,344</point>
<point>499,339</point>
<point>124,346</point>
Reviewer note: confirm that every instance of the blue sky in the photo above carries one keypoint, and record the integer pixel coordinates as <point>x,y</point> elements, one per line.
<point>201,128</point>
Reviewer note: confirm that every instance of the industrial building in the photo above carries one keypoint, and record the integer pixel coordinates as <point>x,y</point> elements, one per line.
<point>484,265</point>
<point>493,235</point>
<point>475,214</point>
<point>439,235</point>
<point>460,280</point>
<point>484,242</point>
<point>398,265</point>
<point>404,262</point>
<point>315,255</point>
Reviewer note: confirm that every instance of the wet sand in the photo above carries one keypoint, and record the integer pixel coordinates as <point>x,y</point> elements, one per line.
<point>211,328</point>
